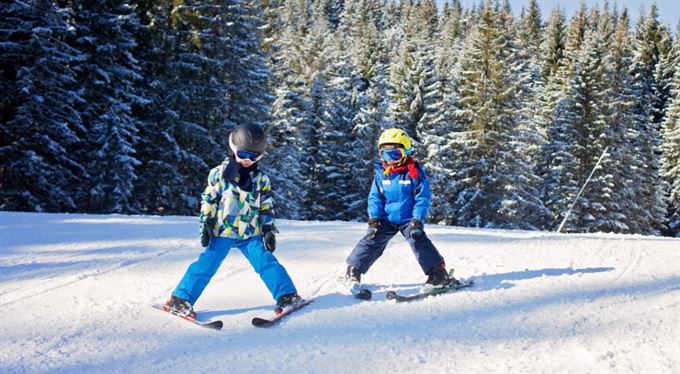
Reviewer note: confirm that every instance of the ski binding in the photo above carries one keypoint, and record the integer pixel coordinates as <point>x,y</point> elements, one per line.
<point>263,322</point>
<point>213,325</point>
<point>392,295</point>
<point>356,289</point>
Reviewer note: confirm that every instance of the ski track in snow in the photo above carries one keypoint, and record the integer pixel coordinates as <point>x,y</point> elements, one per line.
<point>76,294</point>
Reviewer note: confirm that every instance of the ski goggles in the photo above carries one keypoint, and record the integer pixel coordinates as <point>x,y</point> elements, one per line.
<point>252,156</point>
<point>394,154</point>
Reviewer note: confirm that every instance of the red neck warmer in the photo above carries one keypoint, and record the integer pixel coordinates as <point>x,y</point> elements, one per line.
<point>408,164</point>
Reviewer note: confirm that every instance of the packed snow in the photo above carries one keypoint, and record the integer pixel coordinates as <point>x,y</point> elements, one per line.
<point>76,294</point>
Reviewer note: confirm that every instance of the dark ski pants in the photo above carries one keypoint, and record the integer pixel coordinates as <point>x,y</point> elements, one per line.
<point>200,272</point>
<point>367,251</point>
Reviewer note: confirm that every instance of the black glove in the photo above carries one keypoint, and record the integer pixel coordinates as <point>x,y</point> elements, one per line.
<point>231,169</point>
<point>373,224</point>
<point>206,231</point>
<point>269,237</point>
<point>416,229</point>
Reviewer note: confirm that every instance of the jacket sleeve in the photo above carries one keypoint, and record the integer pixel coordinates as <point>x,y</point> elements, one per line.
<point>422,196</point>
<point>376,199</point>
<point>211,195</point>
<point>266,202</point>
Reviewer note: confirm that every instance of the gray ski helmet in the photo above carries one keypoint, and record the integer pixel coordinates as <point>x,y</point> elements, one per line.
<point>248,138</point>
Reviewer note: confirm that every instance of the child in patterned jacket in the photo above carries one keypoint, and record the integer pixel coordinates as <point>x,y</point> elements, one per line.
<point>236,211</point>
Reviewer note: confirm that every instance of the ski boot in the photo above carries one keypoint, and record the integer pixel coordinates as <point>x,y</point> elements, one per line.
<point>180,307</point>
<point>352,280</point>
<point>437,278</point>
<point>286,303</point>
<point>353,276</point>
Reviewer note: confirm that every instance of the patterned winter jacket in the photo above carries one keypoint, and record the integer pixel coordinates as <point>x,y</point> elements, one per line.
<point>238,214</point>
<point>397,197</point>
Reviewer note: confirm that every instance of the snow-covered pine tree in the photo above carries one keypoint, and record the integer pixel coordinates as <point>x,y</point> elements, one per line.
<point>557,163</point>
<point>530,30</point>
<point>495,185</point>
<point>663,73</point>
<point>292,113</point>
<point>575,37</point>
<point>648,186</point>
<point>337,154</point>
<point>548,92</point>
<point>109,79</point>
<point>442,153</point>
<point>418,91</point>
<point>368,54</point>
<point>620,128</point>
<point>159,188</point>
<point>283,164</point>
<point>313,68</point>
<point>335,9</point>
<point>444,145</point>
<point>587,123</point>
<point>40,127</point>
<point>523,40</point>
<point>553,46</point>
<point>246,73</point>
<point>528,39</point>
<point>669,59</point>
<point>414,86</point>
<point>314,203</point>
<point>197,91</point>
<point>274,20</point>
<point>671,155</point>
<point>447,46</point>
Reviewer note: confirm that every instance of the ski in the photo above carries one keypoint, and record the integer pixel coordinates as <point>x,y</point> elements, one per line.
<point>213,325</point>
<point>391,295</point>
<point>263,322</point>
<point>356,289</point>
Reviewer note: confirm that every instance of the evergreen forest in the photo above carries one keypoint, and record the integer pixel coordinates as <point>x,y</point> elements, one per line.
<point>124,106</point>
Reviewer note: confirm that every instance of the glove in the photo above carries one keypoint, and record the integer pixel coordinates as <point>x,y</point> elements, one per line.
<point>373,224</point>
<point>269,237</point>
<point>416,229</point>
<point>206,231</point>
<point>231,169</point>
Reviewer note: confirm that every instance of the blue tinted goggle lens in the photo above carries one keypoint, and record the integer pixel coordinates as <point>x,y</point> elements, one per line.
<point>248,155</point>
<point>392,154</point>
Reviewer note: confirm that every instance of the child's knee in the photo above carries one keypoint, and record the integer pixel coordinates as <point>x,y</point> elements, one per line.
<point>261,259</point>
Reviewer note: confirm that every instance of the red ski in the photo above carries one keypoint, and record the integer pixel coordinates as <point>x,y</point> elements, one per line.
<point>263,322</point>
<point>213,325</point>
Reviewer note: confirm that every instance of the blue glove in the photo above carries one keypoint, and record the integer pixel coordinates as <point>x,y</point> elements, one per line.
<point>416,228</point>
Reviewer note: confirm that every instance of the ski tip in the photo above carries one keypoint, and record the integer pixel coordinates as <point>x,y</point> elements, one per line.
<point>261,322</point>
<point>214,325</point>
<point>364,294</point>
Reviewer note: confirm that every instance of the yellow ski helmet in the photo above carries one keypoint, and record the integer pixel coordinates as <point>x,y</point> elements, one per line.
<point>395,136</point>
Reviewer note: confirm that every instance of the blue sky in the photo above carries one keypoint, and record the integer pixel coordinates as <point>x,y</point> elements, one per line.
<point>669,10</point>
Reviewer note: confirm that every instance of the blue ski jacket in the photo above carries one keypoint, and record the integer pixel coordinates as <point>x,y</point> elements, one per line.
<point>397,197</point>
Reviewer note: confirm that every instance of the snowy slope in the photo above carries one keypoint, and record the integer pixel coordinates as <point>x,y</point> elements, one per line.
<point>76,290</point>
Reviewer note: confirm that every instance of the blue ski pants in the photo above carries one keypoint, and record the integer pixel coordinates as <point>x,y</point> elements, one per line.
<point>368,250</point>
<point>200,272</point>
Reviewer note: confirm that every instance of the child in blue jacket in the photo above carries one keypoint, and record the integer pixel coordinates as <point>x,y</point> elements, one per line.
<point>398,202</point>
<point>237,211</point>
